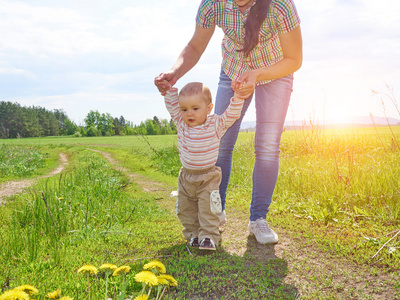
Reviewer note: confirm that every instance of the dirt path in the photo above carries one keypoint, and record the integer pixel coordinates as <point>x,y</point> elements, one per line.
<point>144,183</point>
<point>10,188</point>
<point>308,269</point>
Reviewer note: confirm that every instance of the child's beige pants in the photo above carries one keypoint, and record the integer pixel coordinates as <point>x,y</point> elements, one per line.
<point>198,203</point>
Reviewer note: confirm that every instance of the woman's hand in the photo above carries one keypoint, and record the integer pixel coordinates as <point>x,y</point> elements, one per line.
<point>165,81</point>
<point>163,85</point>
<point>246,84</point>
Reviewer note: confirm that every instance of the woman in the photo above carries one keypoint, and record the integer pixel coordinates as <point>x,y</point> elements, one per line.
<point>261,48</point>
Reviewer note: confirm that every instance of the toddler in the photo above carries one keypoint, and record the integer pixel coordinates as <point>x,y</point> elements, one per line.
<point>199,134</point>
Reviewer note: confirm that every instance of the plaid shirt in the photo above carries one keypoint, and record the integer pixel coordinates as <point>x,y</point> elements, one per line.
<point>282,17</point>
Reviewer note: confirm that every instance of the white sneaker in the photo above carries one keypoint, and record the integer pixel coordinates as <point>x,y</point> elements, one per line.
<point>263,233</point>
<point>222,218</point>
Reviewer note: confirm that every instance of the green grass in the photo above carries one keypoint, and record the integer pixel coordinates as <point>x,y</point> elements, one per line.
<point>20,162</point>
<point>338,190</point>
<point>136,142</point>
<point>78,218</point>
<point>342,183</point>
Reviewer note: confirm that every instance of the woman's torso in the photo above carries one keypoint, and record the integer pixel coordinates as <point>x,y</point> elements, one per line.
<point>282,17</point>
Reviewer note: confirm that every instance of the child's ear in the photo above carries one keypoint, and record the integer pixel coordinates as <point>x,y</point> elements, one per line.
<point>209,108</point>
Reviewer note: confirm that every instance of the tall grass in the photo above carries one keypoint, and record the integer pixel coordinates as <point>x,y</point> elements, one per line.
<point>84,216</point>
<point>344,184</point>
<point>326,175</point>
<point>330,176</point>
<point>70,206</point>
<point>17,161</point>
<point>167,160</point>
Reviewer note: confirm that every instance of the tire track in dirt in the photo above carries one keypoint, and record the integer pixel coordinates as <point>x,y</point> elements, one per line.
<point>13,187</point>
<point>143,182</point>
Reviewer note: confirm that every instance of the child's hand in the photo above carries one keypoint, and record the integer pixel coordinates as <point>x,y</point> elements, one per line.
<point>245,85</point>
<point>162,84</point>
<point>237,86</point>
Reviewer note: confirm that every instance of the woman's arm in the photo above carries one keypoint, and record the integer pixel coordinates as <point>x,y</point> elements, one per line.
<point>188,57</point>
<point>292,47</point>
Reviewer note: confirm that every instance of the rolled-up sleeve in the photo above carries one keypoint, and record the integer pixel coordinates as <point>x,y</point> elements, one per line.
<point>205,14</point>
<point>286,16</point>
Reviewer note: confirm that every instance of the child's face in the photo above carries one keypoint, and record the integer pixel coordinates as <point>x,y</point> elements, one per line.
<point>194,109</point>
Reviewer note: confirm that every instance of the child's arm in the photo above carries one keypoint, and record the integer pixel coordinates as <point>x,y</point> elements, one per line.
<point>237,98</point>
<point>232,113</point>
<point>172,105</point>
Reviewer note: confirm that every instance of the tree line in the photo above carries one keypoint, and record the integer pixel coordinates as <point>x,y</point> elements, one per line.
<point>18,121</point>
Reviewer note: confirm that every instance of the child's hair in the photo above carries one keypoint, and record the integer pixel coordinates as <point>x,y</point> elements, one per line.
<point>197,88</point>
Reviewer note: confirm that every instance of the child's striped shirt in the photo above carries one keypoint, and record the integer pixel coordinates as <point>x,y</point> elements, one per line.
<point>199,145</point>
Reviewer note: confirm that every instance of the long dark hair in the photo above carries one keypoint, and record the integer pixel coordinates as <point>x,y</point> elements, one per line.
<point>256,17</point>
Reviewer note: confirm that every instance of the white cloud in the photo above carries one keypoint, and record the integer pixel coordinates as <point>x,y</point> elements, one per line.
<point>43,31</point>
<point>68,32</point>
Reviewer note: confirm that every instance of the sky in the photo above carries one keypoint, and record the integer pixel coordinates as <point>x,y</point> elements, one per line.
<point>83,55</point>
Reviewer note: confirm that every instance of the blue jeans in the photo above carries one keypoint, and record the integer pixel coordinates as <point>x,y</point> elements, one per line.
<point>272,101</point>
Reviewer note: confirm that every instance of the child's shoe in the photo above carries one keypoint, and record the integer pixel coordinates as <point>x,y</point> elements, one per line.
<point>194,242</point>
<point>207,244</point>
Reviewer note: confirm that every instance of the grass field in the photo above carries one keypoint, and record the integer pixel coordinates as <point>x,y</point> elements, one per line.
<point>338,190</point>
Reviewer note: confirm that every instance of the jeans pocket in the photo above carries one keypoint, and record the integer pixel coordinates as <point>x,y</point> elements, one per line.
<point>215,202</point>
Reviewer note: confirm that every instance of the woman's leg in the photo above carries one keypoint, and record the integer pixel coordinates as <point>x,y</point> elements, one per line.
<point>224,95</point>
<point>272,101</point>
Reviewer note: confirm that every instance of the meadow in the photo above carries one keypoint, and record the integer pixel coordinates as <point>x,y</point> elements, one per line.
<point>338,193</point>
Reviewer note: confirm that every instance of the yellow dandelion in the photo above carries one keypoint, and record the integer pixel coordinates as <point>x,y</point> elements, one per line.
<point>168,278</point>
<point>88,269</point>
<point>14,295</point>
<point>54,295</point>
<point>141,297</point>
<point>162,280</point>
<point>146,277</point>
<point>108,266</point>
<point>156,265</point>
<point>123,269</point>
<point>29,289</point>
<point>66,298</point>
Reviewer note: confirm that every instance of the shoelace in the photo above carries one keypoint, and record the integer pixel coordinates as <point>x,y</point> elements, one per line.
<point>263,226</point>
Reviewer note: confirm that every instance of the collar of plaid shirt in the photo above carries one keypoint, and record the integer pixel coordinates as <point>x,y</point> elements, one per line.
<point>231,5</point>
